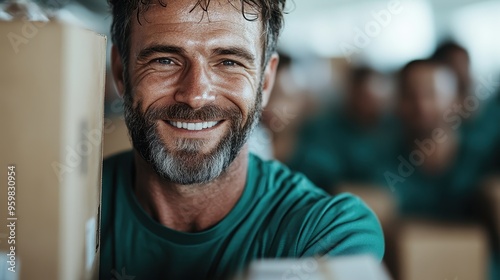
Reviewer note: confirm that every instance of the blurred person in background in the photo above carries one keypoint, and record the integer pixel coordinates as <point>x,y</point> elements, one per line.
<point>436,167</point>
<point>478,107</point>
<point>345,144</point>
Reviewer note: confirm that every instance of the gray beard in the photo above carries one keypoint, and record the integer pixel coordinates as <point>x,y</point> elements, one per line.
<point>185,164</point>
<point>188,166</point>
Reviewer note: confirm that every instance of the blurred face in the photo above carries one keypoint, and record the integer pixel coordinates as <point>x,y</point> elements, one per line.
<point>195,87</point>
<point>369,98</point>
<point>428,91</point>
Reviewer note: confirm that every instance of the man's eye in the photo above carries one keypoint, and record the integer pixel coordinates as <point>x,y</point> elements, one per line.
<point>229,63</point>
<point>165,61</point>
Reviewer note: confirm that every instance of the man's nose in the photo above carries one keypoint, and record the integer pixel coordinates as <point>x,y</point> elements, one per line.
<point>196,88</point>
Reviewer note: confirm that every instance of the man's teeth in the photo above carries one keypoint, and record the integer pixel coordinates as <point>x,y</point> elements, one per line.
<point>193,126</point>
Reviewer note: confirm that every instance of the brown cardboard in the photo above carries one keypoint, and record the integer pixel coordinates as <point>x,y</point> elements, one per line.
<point>115,137</point>
<point>51,114</point>
<point>428,250</point>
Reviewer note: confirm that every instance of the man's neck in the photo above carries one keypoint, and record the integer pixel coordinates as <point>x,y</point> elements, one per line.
<point>190,208</point>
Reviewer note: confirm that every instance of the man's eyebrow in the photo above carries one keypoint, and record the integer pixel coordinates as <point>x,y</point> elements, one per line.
<point>147,52</point>
<point>236,51</point>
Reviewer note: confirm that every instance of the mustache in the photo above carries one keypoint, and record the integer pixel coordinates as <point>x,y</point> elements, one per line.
<point>183,111</point>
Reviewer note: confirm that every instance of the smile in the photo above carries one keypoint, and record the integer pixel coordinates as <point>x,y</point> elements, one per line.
<point>194,126</point>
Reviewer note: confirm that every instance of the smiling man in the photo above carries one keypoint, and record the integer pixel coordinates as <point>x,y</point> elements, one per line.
<point>190,202</point>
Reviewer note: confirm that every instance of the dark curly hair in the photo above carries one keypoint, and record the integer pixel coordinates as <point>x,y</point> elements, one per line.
<point>270,12</point>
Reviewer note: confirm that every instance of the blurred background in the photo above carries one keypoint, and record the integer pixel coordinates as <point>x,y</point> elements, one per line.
<point>396,101</point>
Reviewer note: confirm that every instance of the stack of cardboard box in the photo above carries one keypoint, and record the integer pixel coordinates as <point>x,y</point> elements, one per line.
<point>51,117</point>
<point>423,249</point>
<point>430,250</point>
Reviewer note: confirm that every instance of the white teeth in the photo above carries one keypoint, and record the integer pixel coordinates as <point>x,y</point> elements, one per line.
<point>193,126</point>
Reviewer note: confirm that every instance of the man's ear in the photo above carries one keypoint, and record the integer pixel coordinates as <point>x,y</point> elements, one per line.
<point>269,78</point>
<point>117,70</point>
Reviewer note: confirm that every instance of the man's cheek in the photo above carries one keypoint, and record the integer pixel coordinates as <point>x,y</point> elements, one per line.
<point>246,102</point>
<point>151,90</point>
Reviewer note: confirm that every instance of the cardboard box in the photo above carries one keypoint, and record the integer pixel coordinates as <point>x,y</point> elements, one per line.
<point>51,118</point>
<point>340,268</point>
<point>116,137</point>
<point>428,250</point>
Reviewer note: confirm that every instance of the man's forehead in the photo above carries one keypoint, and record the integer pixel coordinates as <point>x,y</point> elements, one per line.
<point>195,11</point>
<point>188,25</point>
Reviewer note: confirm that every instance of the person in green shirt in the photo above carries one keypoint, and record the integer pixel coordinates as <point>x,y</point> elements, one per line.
<point>190,201</point>
<point>438,162</point>
<point>346,143</point>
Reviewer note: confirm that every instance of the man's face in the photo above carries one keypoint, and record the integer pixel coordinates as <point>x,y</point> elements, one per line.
<point>195,81</point>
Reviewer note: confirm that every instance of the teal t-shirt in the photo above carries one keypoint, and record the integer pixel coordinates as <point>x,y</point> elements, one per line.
<point>280,214</point>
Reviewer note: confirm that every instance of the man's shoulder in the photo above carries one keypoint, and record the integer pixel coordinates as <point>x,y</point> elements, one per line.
<point>342,225</point>
<point>296,192</point>
<point>332,225</point>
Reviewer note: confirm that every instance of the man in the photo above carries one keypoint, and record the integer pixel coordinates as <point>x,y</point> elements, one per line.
<point>444,163</point>
<point>436,167</point>
<point>478,105</point>
<point>190,202</point>
<point>346,145</point>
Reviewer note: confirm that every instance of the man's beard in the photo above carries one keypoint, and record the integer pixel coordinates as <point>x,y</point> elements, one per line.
<point>186,164</point>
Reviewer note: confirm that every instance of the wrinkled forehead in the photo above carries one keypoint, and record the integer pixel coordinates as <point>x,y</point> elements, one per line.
<point>192,24</point>
<point>199,14</point>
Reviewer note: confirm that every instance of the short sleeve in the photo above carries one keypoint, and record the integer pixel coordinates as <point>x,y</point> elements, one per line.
<point>337,226</point>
